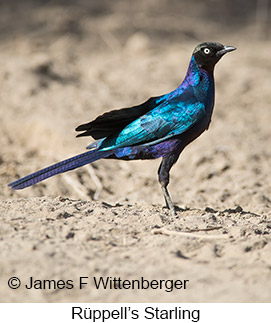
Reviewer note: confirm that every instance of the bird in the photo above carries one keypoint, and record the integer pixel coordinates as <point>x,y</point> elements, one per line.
<point>161,127</point>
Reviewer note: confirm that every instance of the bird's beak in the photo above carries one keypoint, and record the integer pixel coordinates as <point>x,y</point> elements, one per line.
<point>225,50</point>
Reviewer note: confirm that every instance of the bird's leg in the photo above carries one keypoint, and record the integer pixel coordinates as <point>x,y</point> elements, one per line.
<point>168,200</point>
<point>163,176</point>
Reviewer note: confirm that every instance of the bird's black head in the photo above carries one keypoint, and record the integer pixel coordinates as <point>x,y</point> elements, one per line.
<point>208,54</point>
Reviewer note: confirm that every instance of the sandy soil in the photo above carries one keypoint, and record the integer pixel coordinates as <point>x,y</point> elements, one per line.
<point>62,65</point>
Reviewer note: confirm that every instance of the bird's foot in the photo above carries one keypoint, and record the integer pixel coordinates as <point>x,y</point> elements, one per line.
<point>170,216</point>
<point>172,210</point>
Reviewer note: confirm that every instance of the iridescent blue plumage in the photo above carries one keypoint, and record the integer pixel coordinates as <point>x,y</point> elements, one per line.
<point>160,127</point>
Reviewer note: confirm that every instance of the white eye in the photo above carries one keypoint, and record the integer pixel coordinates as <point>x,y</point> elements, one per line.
<point>206,51</point>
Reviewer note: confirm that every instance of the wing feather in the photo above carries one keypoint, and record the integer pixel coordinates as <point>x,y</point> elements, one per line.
<point>114,121</point>
<point>163,122</point>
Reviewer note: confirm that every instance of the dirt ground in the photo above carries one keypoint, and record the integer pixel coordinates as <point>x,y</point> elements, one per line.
<point>65,62</point>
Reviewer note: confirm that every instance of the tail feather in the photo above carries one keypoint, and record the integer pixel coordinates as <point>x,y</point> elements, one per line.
<point>61,167</point>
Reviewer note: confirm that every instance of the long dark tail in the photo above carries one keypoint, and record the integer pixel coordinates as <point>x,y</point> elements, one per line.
<point>61,167</point>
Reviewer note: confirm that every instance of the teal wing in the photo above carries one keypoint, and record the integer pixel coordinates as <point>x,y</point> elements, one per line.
<point>164,121</point>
